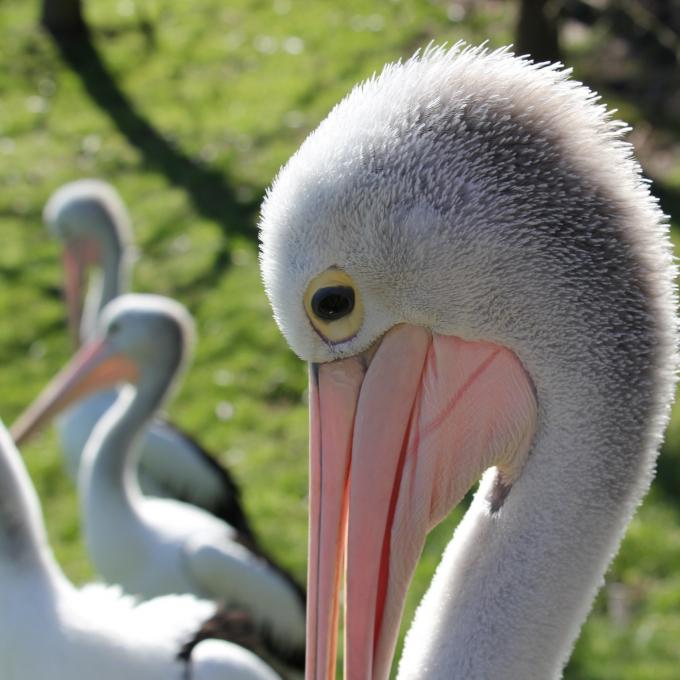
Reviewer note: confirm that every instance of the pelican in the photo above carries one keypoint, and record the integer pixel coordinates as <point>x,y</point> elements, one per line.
<point>89,218</point>
<point>155,546</point>
<point>466,253</point>
<point>50,629</point>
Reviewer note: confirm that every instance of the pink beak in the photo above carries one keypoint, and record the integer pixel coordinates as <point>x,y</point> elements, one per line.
<point>398,435</point>
<point>95,367</point>
<point>77,256</point>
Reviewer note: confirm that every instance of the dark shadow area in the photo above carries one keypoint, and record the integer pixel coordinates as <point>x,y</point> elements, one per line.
<point>640,59</point>
<point>208,189</point>
<point>537,30</point>
<point>667,478</point>
<point>669,197</point>
<point>668,466</point>
<point>668,473</point>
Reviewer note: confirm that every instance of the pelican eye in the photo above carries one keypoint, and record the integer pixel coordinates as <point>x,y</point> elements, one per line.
<point>333,302</point>
<point>333,305</point>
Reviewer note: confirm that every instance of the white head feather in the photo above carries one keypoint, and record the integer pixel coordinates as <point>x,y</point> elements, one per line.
<point>483,196</point>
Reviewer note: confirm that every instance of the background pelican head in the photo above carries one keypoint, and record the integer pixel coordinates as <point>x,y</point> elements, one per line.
<point>469,234</point>
<point>141,339</point>
<point>132,324</point>
<point>89,217</point>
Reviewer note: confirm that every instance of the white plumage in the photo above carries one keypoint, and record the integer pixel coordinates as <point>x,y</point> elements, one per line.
<point>49,629</point>
<point>478,200</point>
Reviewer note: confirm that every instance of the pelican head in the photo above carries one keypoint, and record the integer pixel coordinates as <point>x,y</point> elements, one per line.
<point>144,340</point>
<point>151,330</point>
<point>89,217</point>
<point>465,252</point>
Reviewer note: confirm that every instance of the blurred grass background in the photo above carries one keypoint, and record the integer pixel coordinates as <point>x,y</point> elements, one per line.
<point>189,109</point>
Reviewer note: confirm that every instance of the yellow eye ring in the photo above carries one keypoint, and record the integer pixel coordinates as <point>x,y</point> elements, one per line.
<point>333,305</point>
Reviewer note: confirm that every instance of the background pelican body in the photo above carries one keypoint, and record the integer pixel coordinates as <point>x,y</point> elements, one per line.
<point>154,546</point>
<point>91,220</point>
<point>482,197</point>
<point>50,629</point>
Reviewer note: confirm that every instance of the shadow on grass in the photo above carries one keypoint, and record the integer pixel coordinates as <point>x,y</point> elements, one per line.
<point>668,466</point>
<point>667,478</point>
<point>208,189</point>
<point>638,57</point>
<point>669,200</point>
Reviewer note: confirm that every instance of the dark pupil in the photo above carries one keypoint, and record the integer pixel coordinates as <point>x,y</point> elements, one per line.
<point>333,302</point>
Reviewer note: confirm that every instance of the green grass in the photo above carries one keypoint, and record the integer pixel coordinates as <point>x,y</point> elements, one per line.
<point>189,109</point>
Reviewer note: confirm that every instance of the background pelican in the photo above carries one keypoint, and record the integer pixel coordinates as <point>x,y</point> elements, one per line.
<point>153,546</point>
<point>90,219</point>
<point>470,237</point>
<point>49,629</point>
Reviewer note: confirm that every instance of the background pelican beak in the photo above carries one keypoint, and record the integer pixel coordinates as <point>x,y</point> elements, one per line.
<point>76,258</point>
<point>93,368</point>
